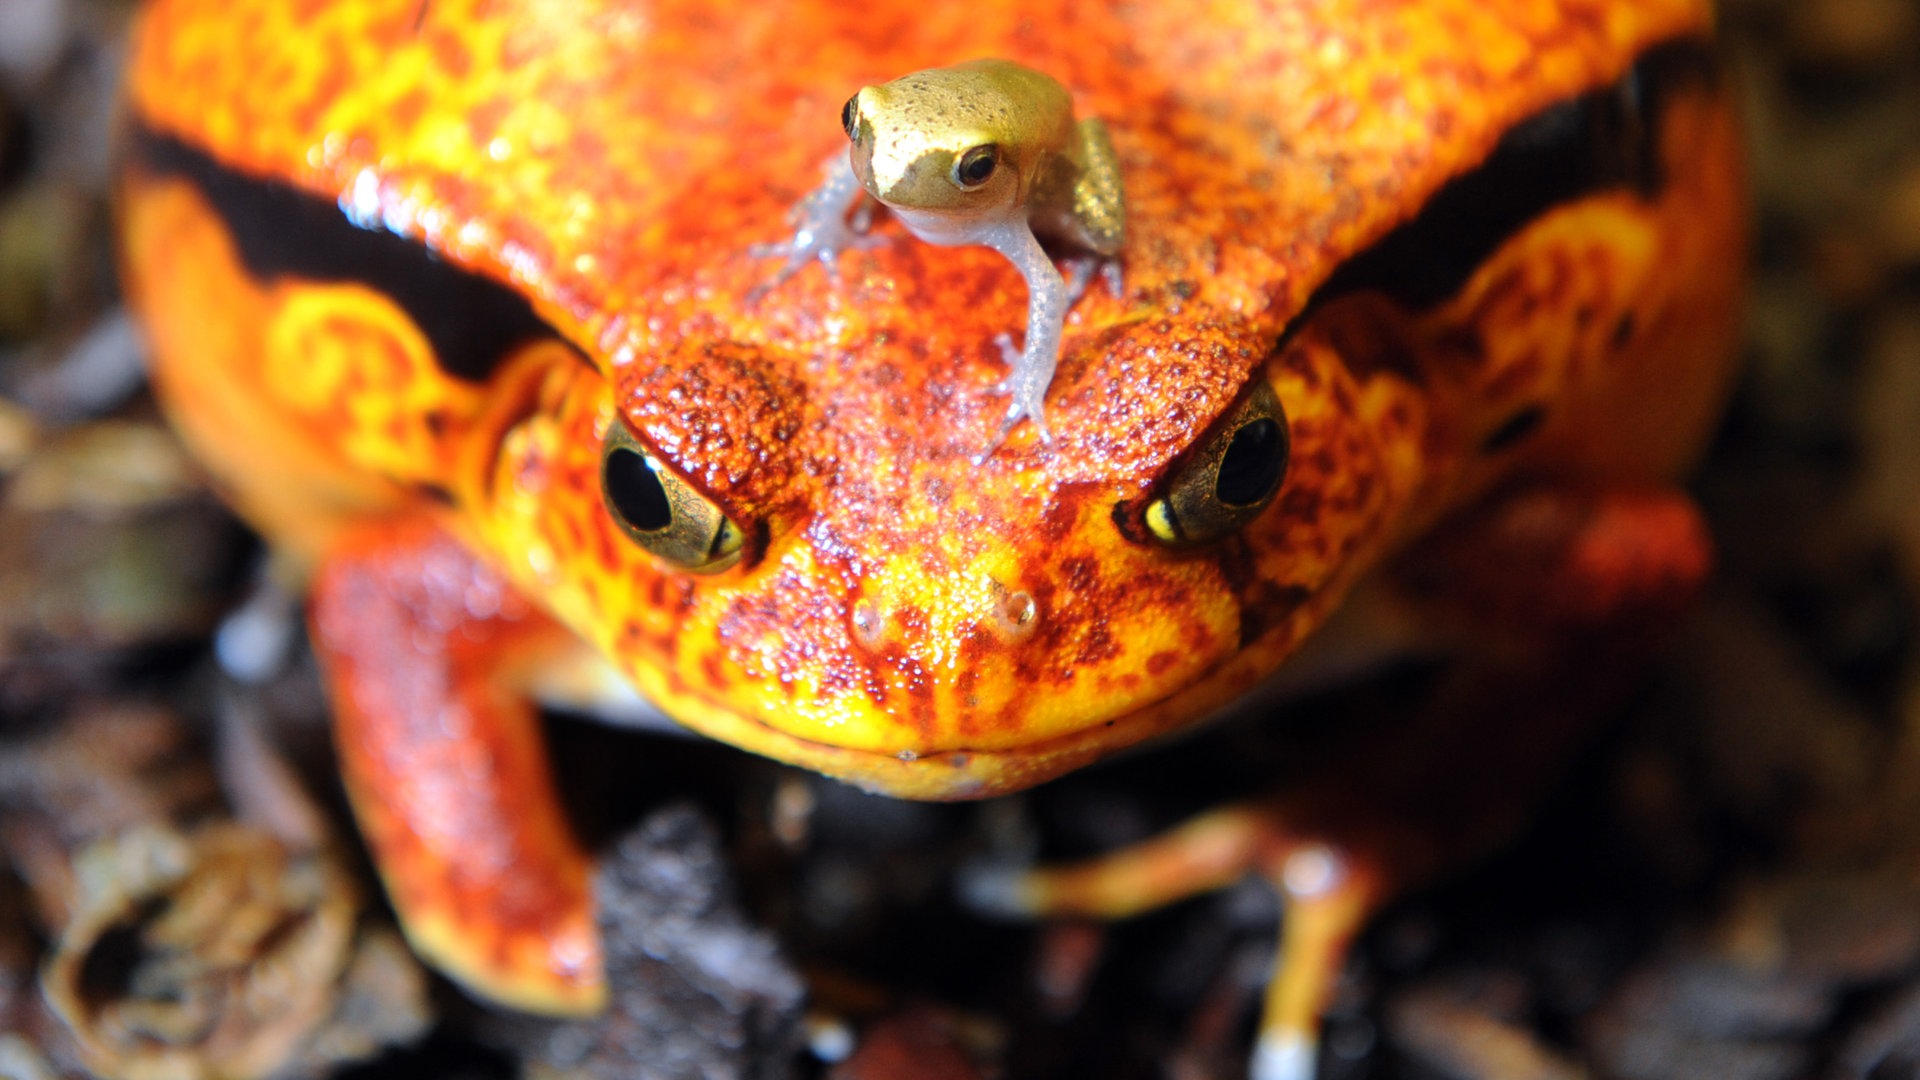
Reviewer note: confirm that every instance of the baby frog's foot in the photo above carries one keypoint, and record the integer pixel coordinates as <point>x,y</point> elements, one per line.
<point>1080,271</point>
<point>1027,386</point>
<point>822,228</point>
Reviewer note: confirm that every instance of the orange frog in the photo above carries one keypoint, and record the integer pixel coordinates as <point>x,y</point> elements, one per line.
<point>466,305</point>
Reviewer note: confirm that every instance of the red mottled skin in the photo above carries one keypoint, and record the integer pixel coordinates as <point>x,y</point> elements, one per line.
<point>904,618</point>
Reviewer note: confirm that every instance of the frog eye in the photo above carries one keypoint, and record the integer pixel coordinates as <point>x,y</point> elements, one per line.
<point>1230,479</point>
<point>849,116</point>
<point>976,166</point>
<point>661,512</point>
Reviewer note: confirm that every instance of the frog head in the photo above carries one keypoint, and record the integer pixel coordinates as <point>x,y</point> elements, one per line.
<point>961,141</point>
<point>805,559</point>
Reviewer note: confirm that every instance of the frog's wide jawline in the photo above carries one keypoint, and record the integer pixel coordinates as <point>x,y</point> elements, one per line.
<point>960,774</point>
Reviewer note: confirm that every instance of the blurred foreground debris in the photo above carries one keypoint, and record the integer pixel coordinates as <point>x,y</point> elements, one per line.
<point>698,992</point>
<point>186,945</point>
<point>919,1041</point>
<point>1748,998</point>
<point>220,953</point>
<point>1470,1040</point>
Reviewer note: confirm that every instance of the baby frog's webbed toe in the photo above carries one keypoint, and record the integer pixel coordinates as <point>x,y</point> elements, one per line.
<point>823,227</point>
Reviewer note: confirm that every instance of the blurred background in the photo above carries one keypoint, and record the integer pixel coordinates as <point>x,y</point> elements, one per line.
<point>1727,886</point>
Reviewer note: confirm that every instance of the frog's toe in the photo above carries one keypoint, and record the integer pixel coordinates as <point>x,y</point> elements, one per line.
<point>857,237</point>
<point>791,267</point>
<point>998,889</point>
<point>1080,273</point>
<point>552,967</point>
<point>1010,353</point>
<point>1283,1057</point>
<point>1024,407</point>
<point>1027,405</point>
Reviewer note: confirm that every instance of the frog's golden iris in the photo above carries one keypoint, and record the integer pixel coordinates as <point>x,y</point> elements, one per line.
<point>1229,479</point>
<point>663,513</point>
<point>975,167</point>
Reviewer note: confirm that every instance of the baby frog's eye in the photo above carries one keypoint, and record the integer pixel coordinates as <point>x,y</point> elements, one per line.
<point>661,512</point>
<point>975,167</point>
<point>1231,478</point>
<point>850,116</point>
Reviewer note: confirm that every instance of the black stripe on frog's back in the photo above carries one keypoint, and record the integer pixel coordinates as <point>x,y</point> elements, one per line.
<point>1605,139</point>
<point>472,322</point>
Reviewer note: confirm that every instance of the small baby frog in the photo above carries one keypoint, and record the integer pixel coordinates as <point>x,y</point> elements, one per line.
<point>986,152</point>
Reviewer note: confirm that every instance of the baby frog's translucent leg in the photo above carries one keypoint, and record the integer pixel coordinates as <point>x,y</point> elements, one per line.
<point>1047,302</point>
<point>821,227</point>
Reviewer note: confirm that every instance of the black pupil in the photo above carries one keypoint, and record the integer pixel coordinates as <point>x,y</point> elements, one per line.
<point>635,492</point>
<point>977,167</point>
<point>848,114</point>
<point>1252,464</point>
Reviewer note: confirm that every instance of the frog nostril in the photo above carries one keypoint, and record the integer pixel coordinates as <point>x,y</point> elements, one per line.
<point>1017,614</point>
<point>869,623</point>
<point>1020,608</point>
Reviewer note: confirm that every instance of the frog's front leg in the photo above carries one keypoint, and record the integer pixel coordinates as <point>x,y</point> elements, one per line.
<point>1563,591</point>
<point>1048,298</point>
<point>825,224</point>
<point>427,653</point>
<point>1099,200</point>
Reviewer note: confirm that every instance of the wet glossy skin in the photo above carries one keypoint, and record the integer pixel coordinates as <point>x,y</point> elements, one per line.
<point>901,616</point>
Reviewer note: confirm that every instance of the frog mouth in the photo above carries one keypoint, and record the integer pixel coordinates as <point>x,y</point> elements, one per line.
<point>959,773</point>
<point>952,770</point>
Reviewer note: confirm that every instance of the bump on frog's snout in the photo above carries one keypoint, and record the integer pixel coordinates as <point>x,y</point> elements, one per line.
<point>663,513</point>
<point>1011,614</point>
<point>1230,479</point>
